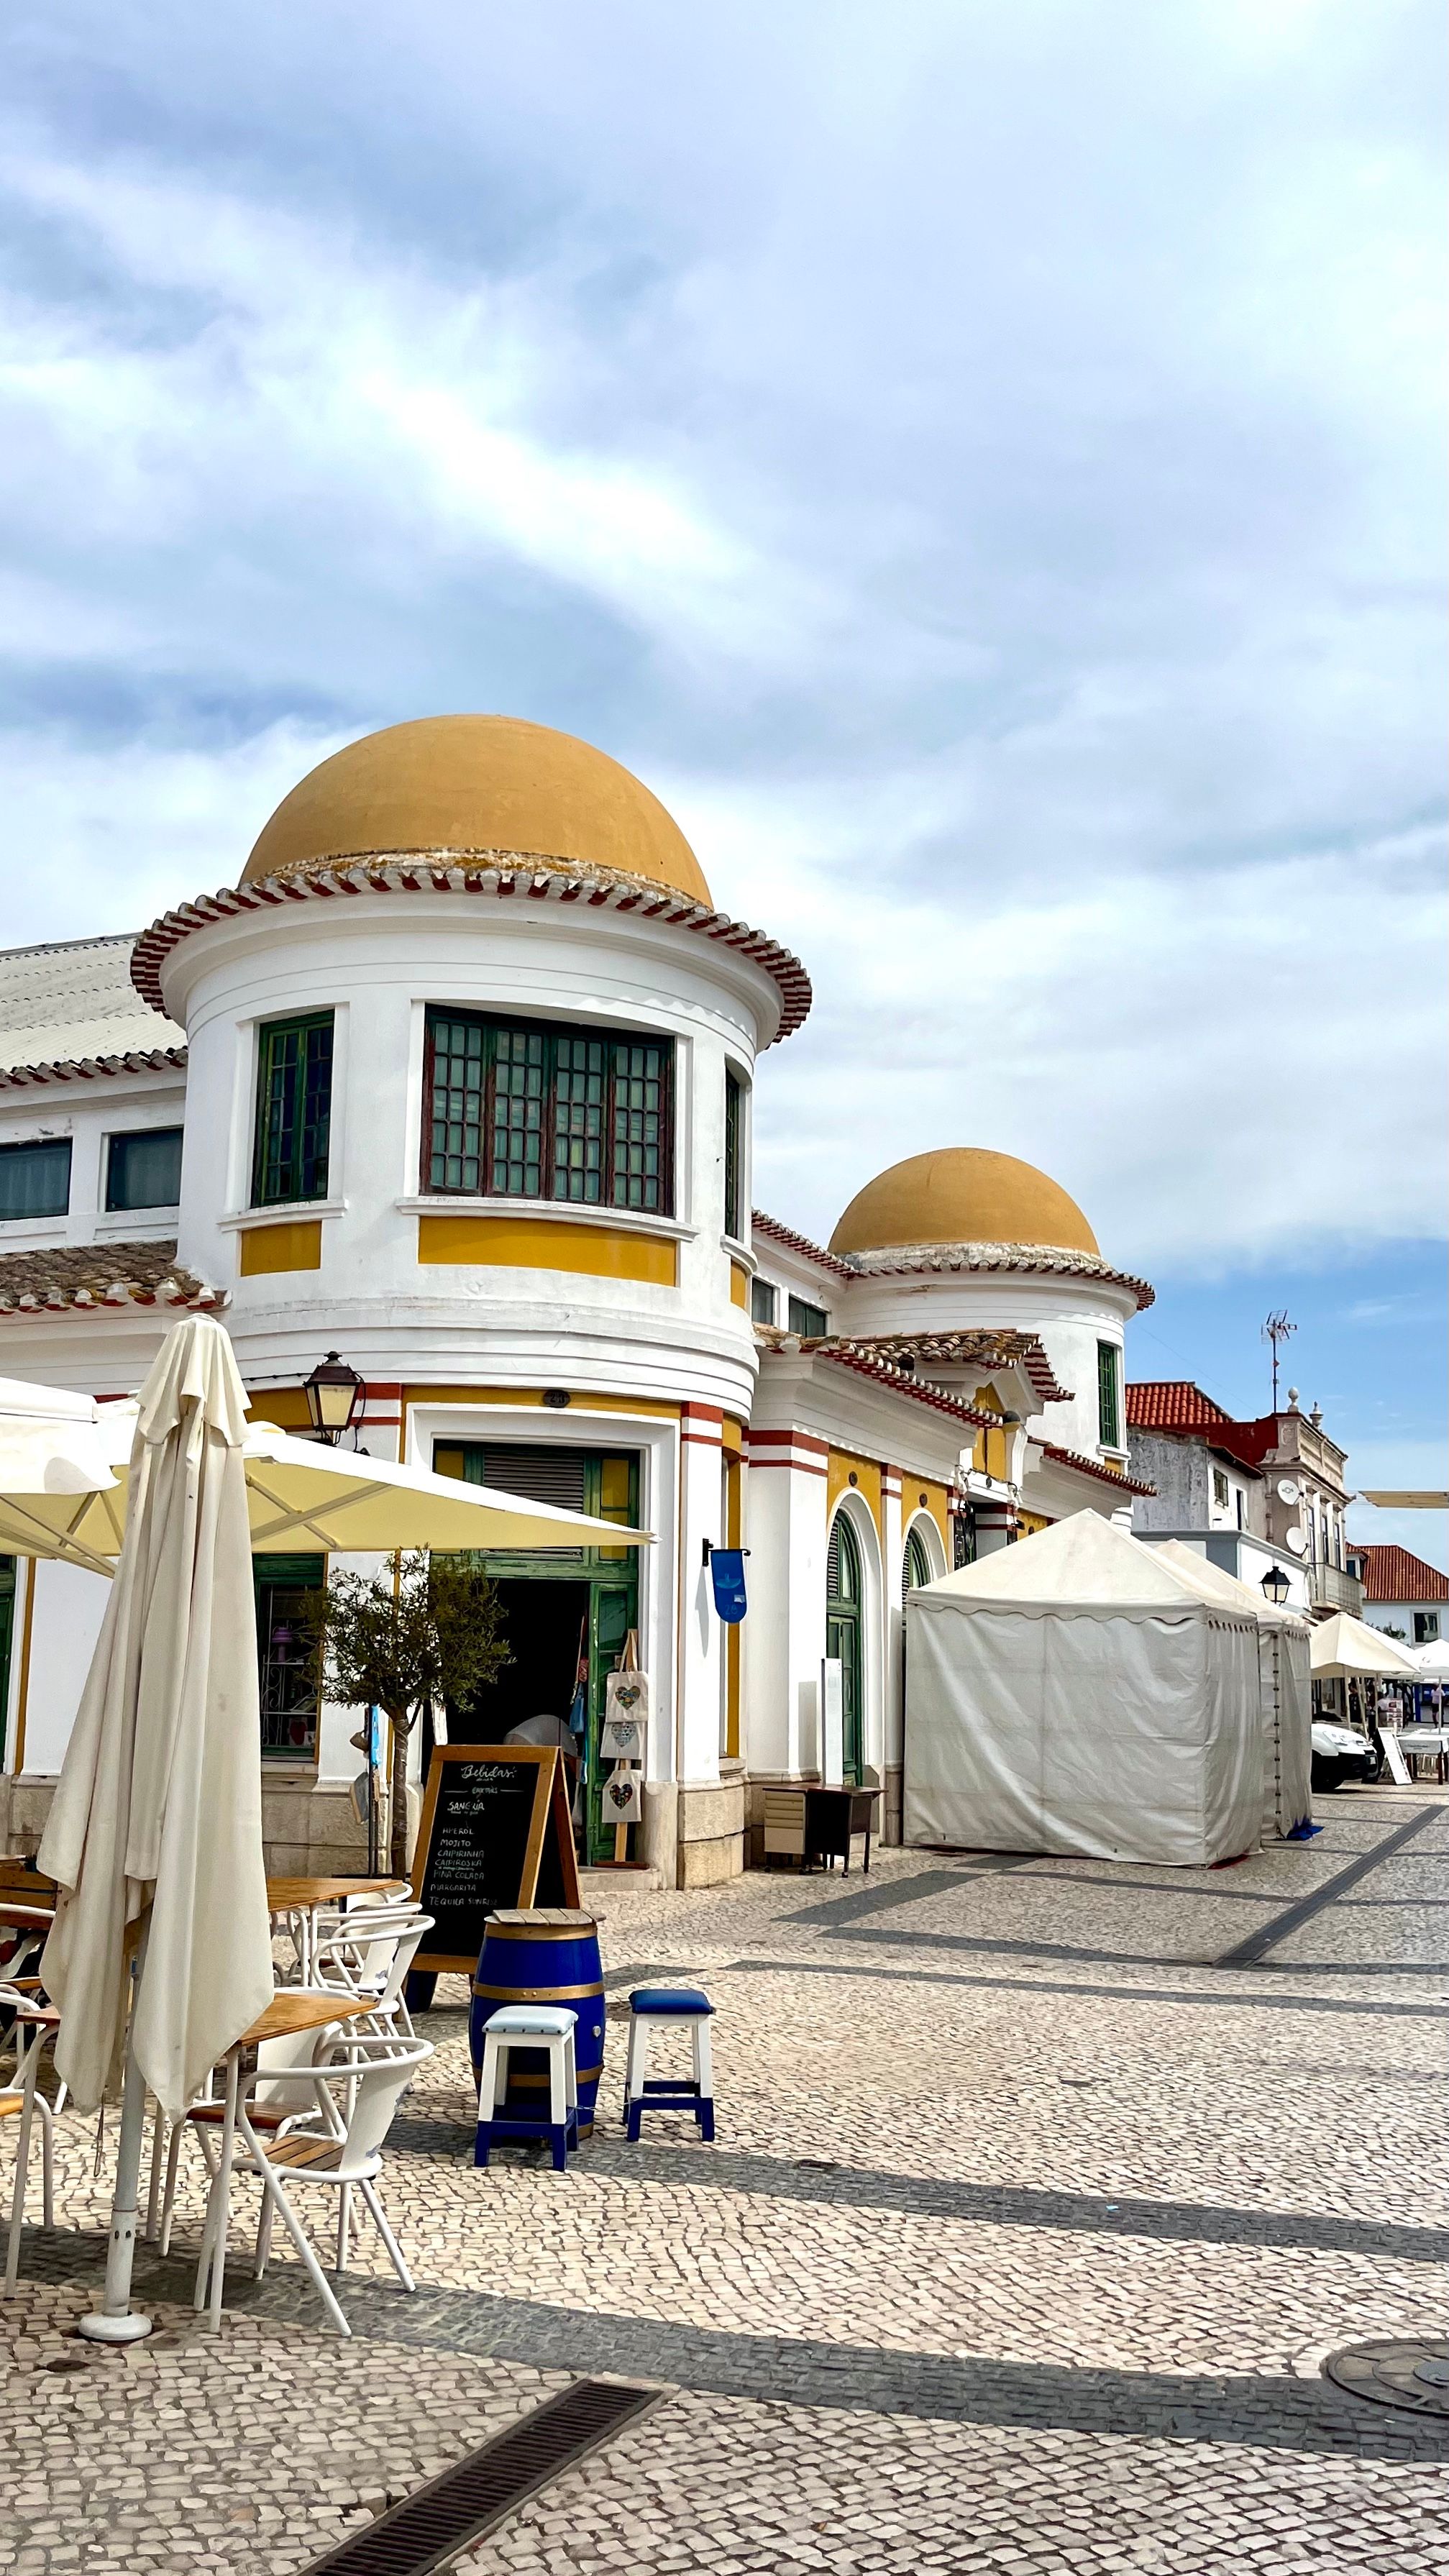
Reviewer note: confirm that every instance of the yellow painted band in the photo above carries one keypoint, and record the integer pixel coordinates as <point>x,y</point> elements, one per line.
<point>297,1245</point>
<point>537,1243</point>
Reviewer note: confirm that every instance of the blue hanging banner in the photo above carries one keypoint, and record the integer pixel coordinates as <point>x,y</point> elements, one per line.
<point>727,1573</point>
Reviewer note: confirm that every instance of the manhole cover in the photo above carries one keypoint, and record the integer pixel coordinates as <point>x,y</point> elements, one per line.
<point>1415,2375</point>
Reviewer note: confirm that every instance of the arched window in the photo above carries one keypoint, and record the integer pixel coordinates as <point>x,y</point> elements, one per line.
<point>844,1594</point>
<point>918,1563</point>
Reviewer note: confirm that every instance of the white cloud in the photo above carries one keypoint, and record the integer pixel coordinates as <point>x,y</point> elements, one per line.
<point>979,467</point>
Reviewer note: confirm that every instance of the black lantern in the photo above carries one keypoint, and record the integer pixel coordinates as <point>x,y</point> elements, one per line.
<point>334,1393</point>
<point>1275,1586</point>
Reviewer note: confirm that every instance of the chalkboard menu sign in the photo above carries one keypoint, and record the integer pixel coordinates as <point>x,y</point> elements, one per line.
<point>495,1831</point>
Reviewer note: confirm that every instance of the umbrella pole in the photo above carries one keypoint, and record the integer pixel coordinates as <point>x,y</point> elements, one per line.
<point>115,2321</point>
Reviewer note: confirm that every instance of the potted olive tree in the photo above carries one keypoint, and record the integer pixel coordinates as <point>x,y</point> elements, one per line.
<point>430,1628</point>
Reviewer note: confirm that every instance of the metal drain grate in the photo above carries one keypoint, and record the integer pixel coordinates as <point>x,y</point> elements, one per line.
<point>429,2528</point>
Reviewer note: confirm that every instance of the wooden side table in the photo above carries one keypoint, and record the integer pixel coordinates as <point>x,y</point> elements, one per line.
<point>818,1824</point>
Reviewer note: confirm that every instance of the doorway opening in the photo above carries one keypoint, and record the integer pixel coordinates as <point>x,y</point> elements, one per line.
<point>844,1593</point>
<point>554,1598</point>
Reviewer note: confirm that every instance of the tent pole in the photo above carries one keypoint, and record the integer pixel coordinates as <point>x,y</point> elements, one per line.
<point>115,2321</point>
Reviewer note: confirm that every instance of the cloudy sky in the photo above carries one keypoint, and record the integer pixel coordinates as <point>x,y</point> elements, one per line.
<point>979,463</point>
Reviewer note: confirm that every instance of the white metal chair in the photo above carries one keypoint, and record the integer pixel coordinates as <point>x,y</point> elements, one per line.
<point>372,1958</point>
<point>352,2104</point>
<point>271,2109</point>
<point>34,2024</point>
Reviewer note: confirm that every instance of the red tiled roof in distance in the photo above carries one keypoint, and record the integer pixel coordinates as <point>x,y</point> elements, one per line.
<point>1393,1574</point>
<point>1171,1404</point>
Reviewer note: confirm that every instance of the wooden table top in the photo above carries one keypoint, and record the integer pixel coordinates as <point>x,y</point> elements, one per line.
<point>293,2008</point>
<point>295,1895</point>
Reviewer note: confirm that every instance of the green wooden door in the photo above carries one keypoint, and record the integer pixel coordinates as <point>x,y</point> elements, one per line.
<point>844,1589</point>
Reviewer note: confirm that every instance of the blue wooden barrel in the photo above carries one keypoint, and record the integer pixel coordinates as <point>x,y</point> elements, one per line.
<point>547,1956</point>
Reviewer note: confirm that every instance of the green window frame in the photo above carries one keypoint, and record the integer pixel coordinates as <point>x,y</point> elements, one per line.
<point>917,1567</point>
<point>524,1109</point>
<point>1109,1401</point>
<point>143,1168</point>
<point>734,1158</point>
<point>810,1322</point>
<point>294,1110</point>
<point>287,1688</point>
<point>34,1179</point>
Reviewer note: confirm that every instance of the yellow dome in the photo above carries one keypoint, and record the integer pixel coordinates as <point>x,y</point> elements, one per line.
<point>961,1195</point>
<point>478,783</point>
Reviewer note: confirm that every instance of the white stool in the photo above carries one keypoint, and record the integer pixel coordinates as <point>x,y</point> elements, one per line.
<point>654,2008</point>
<point>546,2027</point>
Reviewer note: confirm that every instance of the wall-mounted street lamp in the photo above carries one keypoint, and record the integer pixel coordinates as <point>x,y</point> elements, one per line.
<point>334,1395</point>
<point>1275,1586</point>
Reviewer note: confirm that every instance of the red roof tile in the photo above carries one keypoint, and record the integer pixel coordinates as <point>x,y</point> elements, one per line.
<point>774,1232</point>
<point>1392,1574</point>
<point>1171,1404</point>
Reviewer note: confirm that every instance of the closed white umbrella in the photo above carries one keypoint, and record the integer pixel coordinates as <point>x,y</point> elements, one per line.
<point>1343,1646</point>
<point>155,1831</point>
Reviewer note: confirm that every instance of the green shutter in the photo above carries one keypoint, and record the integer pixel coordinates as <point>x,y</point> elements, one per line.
<point>1109,1420</point>
<point>733,1125</point>
<point>294,1110</point>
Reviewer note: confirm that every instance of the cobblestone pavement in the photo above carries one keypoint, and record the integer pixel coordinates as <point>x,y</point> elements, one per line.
<point>1042,2191</point>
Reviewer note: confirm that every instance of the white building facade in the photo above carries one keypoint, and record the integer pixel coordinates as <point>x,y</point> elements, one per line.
<point>458,1081</point>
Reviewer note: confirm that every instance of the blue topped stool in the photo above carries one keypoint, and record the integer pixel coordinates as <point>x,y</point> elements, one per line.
<point>654,2008</point>
<point>547,2028</point>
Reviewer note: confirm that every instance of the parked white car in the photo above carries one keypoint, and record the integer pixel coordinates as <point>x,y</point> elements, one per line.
<point>1340,1753</point>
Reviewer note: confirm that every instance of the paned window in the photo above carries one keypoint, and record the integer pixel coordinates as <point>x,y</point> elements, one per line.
<point>294,1110</point>
<point>1109,1411</point>
<point>810,1322</point>
<point>522,1110</point>
<point>284,1585</point>
<point>144,1170</point>
<point>35,1179</point>
<point>734,1157</point>
<point>764,1301</point>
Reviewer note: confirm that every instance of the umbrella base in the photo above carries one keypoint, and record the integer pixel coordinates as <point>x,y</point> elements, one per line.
<point>102,2329</point>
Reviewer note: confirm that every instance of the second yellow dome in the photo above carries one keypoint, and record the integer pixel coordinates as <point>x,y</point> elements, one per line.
<point>962,1194</point>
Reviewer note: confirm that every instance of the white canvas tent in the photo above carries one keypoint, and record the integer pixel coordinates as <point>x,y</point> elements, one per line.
<point>1075,1693</point>
<point>1285,1688</point>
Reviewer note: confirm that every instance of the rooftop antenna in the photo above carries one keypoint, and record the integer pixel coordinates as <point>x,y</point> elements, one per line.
<point>1276,1330</point>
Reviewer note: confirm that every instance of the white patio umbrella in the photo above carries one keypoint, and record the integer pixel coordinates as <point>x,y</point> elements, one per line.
<point>1431,1663</point>
<point>155,1832</point>
<point>300,1492</point>
<point>1344,1646</point>
<point>54,1458</point>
